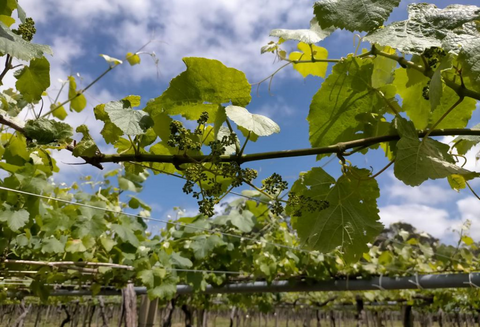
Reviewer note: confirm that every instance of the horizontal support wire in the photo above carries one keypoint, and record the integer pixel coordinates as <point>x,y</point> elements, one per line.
<point>431,281</point>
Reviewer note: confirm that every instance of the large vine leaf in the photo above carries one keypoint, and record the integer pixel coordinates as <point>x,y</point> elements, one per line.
<point>201,88</point>
<point>110,132</point>
<point>34,79</point>
<point>14,45</point>
<point>311,36</point>
<point>353,15</point>
<point>125,234</point>
<point>15,219</point>
<point>411,88</point>
<point>180,261</point>
<point>458,117</point>
<point>427,26</point>
<point>345,93</point>
<point>307,52</point>
<point>419,160</point>
<point>46,131</point>
<point>383,69</point>
<point>413,102</point>
<point>469,58</point>
<point>166,289</point>
<point>258,124</point>
<point>202,245</point>
<point>350,221</point>
<point>7,7</point>
<point>52,245</point>
<point>244,221</point>
<point>86,147</point>
<point>128,120</point>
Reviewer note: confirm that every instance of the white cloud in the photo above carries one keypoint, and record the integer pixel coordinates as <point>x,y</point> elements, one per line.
<point>276,109</point>
<point>232,31</point>
<point>65,49</point>
<point>427,193</point>
<point>424,218</point>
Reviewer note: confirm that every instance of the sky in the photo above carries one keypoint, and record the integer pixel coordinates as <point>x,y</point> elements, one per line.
<point>233,32</point>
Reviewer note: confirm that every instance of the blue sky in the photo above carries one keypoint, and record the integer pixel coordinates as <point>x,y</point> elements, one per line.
<point>232,31</point>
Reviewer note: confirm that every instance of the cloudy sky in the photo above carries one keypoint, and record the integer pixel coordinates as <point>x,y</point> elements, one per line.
<point>232,31</point>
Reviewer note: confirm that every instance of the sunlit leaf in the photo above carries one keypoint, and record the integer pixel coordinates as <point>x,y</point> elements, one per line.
<point>309,52</point>
<point>34,79</point>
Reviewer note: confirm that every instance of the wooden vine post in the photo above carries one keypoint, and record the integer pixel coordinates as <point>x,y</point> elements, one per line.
<point>407,315</point>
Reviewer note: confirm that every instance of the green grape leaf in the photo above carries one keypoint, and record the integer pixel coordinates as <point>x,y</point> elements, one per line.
<point>129,183</point>
<point>311,36</point>
<point>464,143</point>
<point>166,290</point>
<point>74,246</point>
<point>34,79</point>
<point>161,149</point>
<point>469,58</point>
<point>383,69</point>
<point>346,93</point>
<point>202,245</point>
<point>180,261</point>
<point>257,124</point>
<point>107,243</point>
<point>203,87</point>
<point>47,131</point>
<point>86,147</point>
<point>16,46</point>
<point>135,203</point>
<point>52,245</point>
<point>78,102</point>
<point>196,280</point>
<point>40,289</point>
<point>147,277</point>
<point>413,102</point>
<point>417,161</point>
<point>126,234</point>
<point>15,219</point>
<point>436,83</point>
<point>426,27</point>
<point>7,20</point>
<point>353,15</point>
<point>7,7</point>
<point>459,116</point>
<point>314,68</point>
<point>244,221</point>
<point>461,37</point>
<point>457,182</point>
<point>110,132</point>
<point>21,13</point>
<point>59,112</point>
<point>161,125</point>
<point>128,120</point>
<point>350,221</point>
